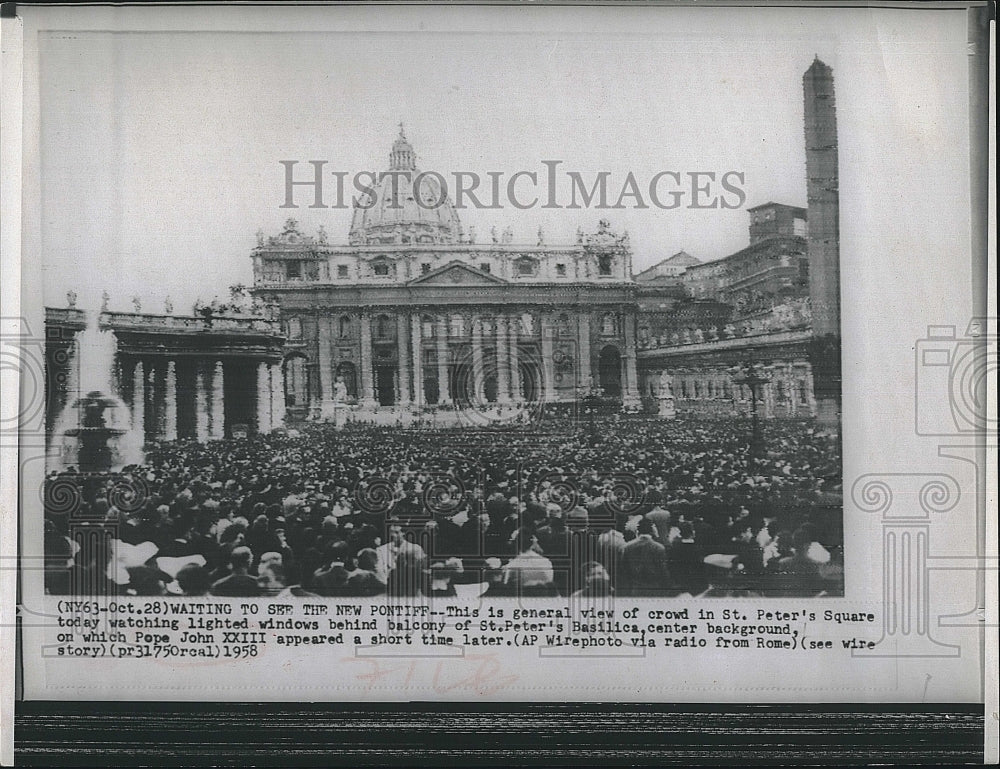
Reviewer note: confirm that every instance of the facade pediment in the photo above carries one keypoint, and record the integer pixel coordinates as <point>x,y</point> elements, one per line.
<point>456,273</point>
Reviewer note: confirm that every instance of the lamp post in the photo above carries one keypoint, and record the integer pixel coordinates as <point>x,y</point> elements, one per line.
<point>748,373</point>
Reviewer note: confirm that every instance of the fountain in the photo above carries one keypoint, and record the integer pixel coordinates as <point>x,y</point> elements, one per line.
<point>96,432</point>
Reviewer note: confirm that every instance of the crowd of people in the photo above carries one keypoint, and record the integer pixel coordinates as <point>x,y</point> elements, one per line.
<point>629,506</point>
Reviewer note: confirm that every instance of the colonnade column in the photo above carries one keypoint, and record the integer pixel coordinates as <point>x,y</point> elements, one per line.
<point>444,389</point>
<point>477,360</point>
<point>201,406</point>
<point>139,401</point>
<point>325,358</point>
<point>170,403</point>
<point>548,368</point>
<point>810,394</point>
<point>418,361</point>
<point>263,398</point>
<point>516,386</point>
<point>367,379</point>
<point>277,396</point>
<point>402,332</point>
<point>583,342</point>
<point>218,428</point>
<point>767,394</point>
<point>503,369</point>
<point>788,374</point>
<point>73,372</point>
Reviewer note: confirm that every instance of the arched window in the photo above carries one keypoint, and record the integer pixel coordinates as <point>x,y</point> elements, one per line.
<point>294,328</point>
<point>381,268</point>
<point>382,327</point>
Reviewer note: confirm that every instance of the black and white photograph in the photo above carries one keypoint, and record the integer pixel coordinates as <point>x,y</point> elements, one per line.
<point>418,380</point>
<point>411,353</point>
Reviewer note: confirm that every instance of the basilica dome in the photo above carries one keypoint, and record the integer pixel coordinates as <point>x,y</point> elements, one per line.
<point>395,215</point>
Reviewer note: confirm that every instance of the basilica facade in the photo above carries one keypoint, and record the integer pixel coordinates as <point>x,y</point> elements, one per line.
<point>412,315</point>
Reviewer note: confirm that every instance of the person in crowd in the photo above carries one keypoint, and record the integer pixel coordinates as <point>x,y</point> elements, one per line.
<point>239,583</point>
<point>642,568</point>
<point>193,580</point>
<point>274,581</point>
<point>363,581</point>
<point>686,562</point>
<point>389,553</point>
<point>596,582</point>
<point>530,572</point>
<point>331,580</point>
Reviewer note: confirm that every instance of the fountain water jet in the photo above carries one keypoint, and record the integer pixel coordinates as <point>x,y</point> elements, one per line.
<point>96,432</point>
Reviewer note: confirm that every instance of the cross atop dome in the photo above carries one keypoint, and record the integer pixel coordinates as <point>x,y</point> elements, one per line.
<point>402,157</point>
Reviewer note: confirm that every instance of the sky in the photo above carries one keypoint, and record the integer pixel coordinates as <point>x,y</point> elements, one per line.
<point>160,150</point>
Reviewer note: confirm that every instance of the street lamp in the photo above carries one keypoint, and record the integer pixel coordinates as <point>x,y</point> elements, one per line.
<point>748,373</point>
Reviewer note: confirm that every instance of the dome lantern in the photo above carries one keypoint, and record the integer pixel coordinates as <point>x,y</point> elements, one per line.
<point>392,214</point>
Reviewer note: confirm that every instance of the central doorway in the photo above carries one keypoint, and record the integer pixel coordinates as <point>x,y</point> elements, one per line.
<point>609,371</point>
<point>385,383</point>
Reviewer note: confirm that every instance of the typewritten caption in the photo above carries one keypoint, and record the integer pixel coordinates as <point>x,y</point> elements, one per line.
<point>135,628</point>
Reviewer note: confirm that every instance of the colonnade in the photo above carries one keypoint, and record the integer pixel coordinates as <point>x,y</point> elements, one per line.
<point>156,396</point>
<point>786,389</point>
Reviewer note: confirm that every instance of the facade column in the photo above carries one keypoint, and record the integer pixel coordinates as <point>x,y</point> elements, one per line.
<point>478,395</point>
<point>418,361</point>
<point>402,333</point>
<point>516,386</point>
<point>277,396</point>
<point>263,398</point>
<point>201,406</point>
<point>583,342</point>
<point>503,368</point>
<point>367,379</point>
<point>630,392</point>
<point>548,368</point>
<point>325,358</point>
<point>170,403</point>
<point>139,401</point>
<point>444,388</point>
<point>218,429</point>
